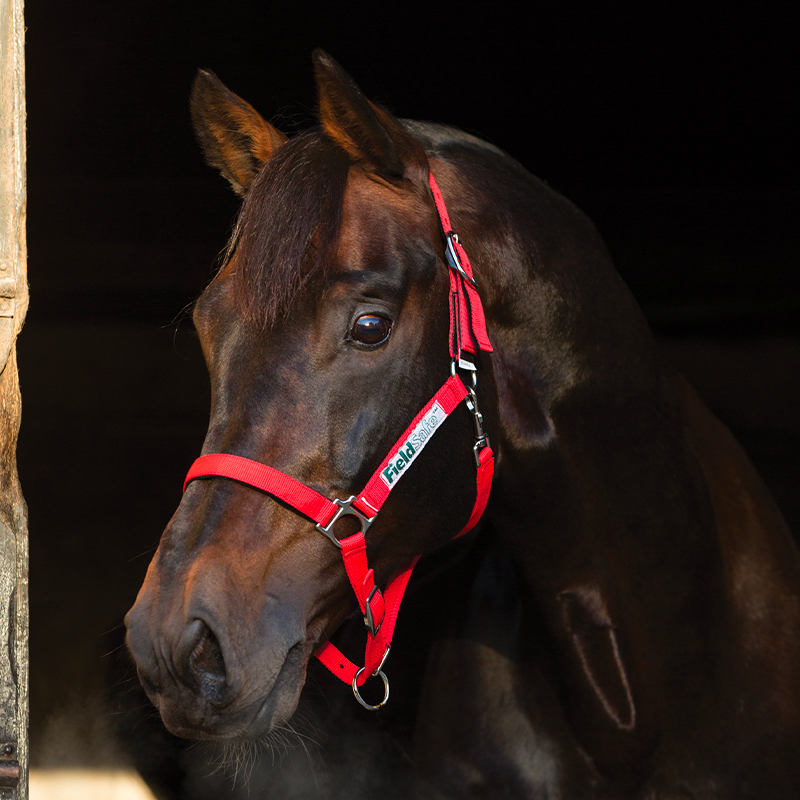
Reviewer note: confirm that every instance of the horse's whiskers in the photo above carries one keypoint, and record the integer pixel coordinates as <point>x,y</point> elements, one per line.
<point>238,759</point>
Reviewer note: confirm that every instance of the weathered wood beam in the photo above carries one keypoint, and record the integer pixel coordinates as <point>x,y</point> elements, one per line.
<point>13,512</point>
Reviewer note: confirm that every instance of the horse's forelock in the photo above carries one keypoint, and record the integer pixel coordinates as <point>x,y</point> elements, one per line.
<point>288,227</point>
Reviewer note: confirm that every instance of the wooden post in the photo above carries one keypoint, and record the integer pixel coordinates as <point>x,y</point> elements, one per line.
<point>13,512</point>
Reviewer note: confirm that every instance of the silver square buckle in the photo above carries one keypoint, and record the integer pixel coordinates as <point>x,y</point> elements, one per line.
<point>345,508</point>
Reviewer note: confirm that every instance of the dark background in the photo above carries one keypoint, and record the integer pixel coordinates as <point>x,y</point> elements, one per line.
<point>673,127</point>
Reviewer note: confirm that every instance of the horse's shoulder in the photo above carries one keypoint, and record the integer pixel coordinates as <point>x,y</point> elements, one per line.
<point>746,513</point>
<point>761,565</point>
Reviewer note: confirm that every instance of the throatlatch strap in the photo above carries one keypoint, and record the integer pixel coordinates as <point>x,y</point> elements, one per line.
<point>483,489</point>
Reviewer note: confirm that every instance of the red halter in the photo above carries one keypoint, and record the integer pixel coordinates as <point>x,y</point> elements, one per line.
<point>467,334</point>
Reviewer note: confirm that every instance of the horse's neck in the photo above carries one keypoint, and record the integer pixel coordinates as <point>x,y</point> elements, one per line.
<point>596,479</point>
<point>598,493</point>
<point>640,527</point>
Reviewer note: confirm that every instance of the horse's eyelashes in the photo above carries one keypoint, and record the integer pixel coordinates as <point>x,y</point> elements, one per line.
<point>371,330</point>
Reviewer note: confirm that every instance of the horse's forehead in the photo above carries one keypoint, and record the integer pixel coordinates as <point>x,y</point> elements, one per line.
<point>379,215</point>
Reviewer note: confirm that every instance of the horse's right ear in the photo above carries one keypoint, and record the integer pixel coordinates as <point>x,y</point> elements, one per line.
<point>367,133</point>
<point>235,138</point>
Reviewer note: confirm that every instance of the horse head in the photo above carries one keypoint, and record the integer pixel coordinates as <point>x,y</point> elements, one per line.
<point>324,333</point>
<point>636,575</point>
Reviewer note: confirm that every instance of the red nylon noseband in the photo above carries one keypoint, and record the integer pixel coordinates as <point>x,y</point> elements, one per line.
<point>467,334</point>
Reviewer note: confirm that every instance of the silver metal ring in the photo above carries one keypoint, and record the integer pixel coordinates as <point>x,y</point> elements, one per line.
<point>361,699</point>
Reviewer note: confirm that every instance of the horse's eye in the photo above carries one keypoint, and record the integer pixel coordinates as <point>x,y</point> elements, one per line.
<point>370,329</point>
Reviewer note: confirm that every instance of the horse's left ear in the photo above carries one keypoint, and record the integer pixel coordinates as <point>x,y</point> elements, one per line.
<point>368,134</point>
<point>235,138</point>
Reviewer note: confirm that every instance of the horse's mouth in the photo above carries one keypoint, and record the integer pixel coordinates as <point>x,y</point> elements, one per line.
<point>250,714</point>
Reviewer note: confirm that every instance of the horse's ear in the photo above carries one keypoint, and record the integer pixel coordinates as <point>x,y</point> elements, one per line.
<point>235,138</point>
<point>369,135</point>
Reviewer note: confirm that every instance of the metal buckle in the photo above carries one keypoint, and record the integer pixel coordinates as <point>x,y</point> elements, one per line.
<point>468,366</point>
<point>377,674</point>
<point>345,508</point>
<point>453,260</point>
<point>369,620</point>
<point>481,439</point>
<point>478,448</point>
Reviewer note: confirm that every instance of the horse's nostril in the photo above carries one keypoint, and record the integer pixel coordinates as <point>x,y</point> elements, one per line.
<point>205,662</point>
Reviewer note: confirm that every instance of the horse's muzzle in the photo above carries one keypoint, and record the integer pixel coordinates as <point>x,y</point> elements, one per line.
<point>184,674</point>
<point>190,675</point>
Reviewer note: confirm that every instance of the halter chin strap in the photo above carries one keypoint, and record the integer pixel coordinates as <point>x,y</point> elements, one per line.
<point>379,609</point>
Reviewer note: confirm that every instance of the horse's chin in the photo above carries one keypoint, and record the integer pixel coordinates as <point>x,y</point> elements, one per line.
<point>242,718</point>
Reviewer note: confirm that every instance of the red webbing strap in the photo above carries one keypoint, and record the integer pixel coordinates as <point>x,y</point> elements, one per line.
<point>328,653</point>
<point>354,556</point>
<point>339,664</point>
<point>471,317</point>
<point>468,314</point>
<point>416,435</point>
<point>284,487</point>
<point>362,579</point>
<point>441,209</point>
<point>483,489</point>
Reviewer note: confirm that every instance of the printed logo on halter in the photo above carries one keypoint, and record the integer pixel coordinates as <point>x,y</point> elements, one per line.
<point>413,445</point>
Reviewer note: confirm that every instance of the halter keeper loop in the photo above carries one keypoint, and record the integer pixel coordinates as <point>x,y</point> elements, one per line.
<point>373,617</point>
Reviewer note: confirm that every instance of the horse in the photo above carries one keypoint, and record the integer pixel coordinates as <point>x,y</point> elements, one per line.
<point>623,621</point>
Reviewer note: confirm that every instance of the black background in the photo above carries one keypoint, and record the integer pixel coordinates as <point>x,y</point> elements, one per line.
<point>672,126</point>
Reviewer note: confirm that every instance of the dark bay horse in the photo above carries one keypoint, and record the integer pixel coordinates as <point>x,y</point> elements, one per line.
<point>624,623</point>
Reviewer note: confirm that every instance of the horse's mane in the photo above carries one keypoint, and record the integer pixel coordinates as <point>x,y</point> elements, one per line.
<point>288,226</point>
